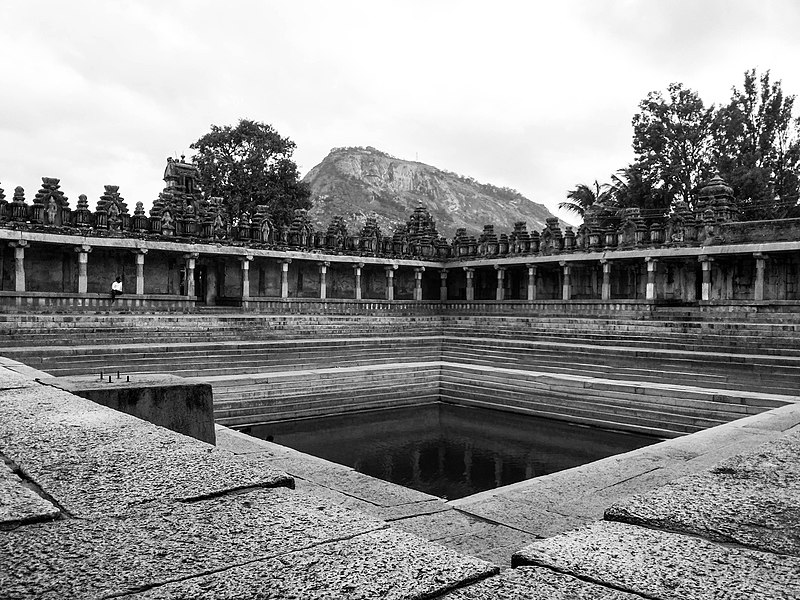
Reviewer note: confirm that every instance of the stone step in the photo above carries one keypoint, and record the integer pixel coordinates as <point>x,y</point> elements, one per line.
<point>257,416</point>
<point>682,399</point>
<point>652,413</point>
<point>595,418</point>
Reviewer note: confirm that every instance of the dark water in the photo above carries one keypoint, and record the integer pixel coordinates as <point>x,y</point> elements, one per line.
<point>450,451</point>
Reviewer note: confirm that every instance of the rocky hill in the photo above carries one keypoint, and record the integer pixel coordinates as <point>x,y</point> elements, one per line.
<point>356,183</point>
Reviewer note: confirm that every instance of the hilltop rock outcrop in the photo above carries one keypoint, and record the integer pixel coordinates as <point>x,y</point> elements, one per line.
<point>356,183</point>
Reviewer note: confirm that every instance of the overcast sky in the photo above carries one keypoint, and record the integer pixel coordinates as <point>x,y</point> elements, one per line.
<point>536,96</point>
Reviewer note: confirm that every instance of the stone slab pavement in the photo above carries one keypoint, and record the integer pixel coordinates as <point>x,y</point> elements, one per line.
<point>752,499</point>
<point>385,564</point>
<point>424,515</point>
<point>94,460</point>
<point>665,565</point>
<point>537,583</point>
<point>555,503</point>
<point>148,512</point>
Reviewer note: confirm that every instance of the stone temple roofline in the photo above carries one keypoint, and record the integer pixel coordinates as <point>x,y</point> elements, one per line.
<point>181,215</point>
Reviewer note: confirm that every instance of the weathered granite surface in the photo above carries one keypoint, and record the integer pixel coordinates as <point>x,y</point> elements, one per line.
<point>385,564</point>
<point>421,514</point>
<point>751,499</point>
<point>467,534</point>
<point>548,505</point>
<point>167,541</point>
<point>94,460</point>
<point>18,503</point>
<point>151,511</point>
<point>664,565</point>
<point>535,583</point>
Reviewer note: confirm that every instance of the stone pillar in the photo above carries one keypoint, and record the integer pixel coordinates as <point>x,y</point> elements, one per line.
<point>285,277</point>
<point>357,269</point>
<point>470,272</point>
<point>689,281</point>
<point>532,282</point>
<point>418,271</point>
<point>139,256</point>
<point>652,269</point>
<point>705,264</point>
<point>19,264</point>
<point>390,281</point>
<point>83,267</point>
<point>758,286</point>
<point>566,284</point>
<point>191,258</point>
<point>500,294</point>
<point>323,281</point>
<point>443,285</point>
<point>245,260</point>
<point>605,287</point>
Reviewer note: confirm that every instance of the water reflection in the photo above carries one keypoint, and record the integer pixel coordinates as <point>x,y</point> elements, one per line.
<point>450,451</point>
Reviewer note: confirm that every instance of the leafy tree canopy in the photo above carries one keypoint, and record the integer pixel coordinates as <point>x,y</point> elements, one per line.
<point>679,142</point>
<point>672,141</point>
<point>757,147</point>
<point>250,165</point>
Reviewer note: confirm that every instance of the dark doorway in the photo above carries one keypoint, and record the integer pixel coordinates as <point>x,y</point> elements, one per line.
<point>200,283</point>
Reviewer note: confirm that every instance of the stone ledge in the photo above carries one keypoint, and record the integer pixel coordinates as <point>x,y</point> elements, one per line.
<point>555,503</point>
<point>536,583</point>
<point>94,460</point>
<point>382,564</point>
<point>749,499</point>
<point>163,542</point>
<point>173,402</point>
<point>657,564</point>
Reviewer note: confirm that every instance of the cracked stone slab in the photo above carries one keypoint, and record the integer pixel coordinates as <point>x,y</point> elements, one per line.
<point>18,503</point>
<point>384,564</point>
<point>751,499</point>
<point>159,543</point>
<point>659,564</point>
<point>385,513</point>
<point>11,379</point>
<point>535,583</point>
<point>240,443</point>
<point>94,460</point>
<point>467,534</point>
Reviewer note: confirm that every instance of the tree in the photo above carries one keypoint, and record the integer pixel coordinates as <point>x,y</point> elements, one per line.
<point>672,141</point>
<point>582,197</point>
<point>250,165</point>
<point>758,148</point>
<point>631,188</point>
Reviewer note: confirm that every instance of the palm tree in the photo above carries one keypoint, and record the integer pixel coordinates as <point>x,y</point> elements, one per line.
<point>631,189</point>
<point>583,196</point>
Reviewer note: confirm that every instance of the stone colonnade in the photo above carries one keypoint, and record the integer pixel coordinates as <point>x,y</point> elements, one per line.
<point>686,277</point>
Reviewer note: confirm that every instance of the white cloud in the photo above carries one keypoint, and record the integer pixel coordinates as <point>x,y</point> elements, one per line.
<point>536,96</point>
